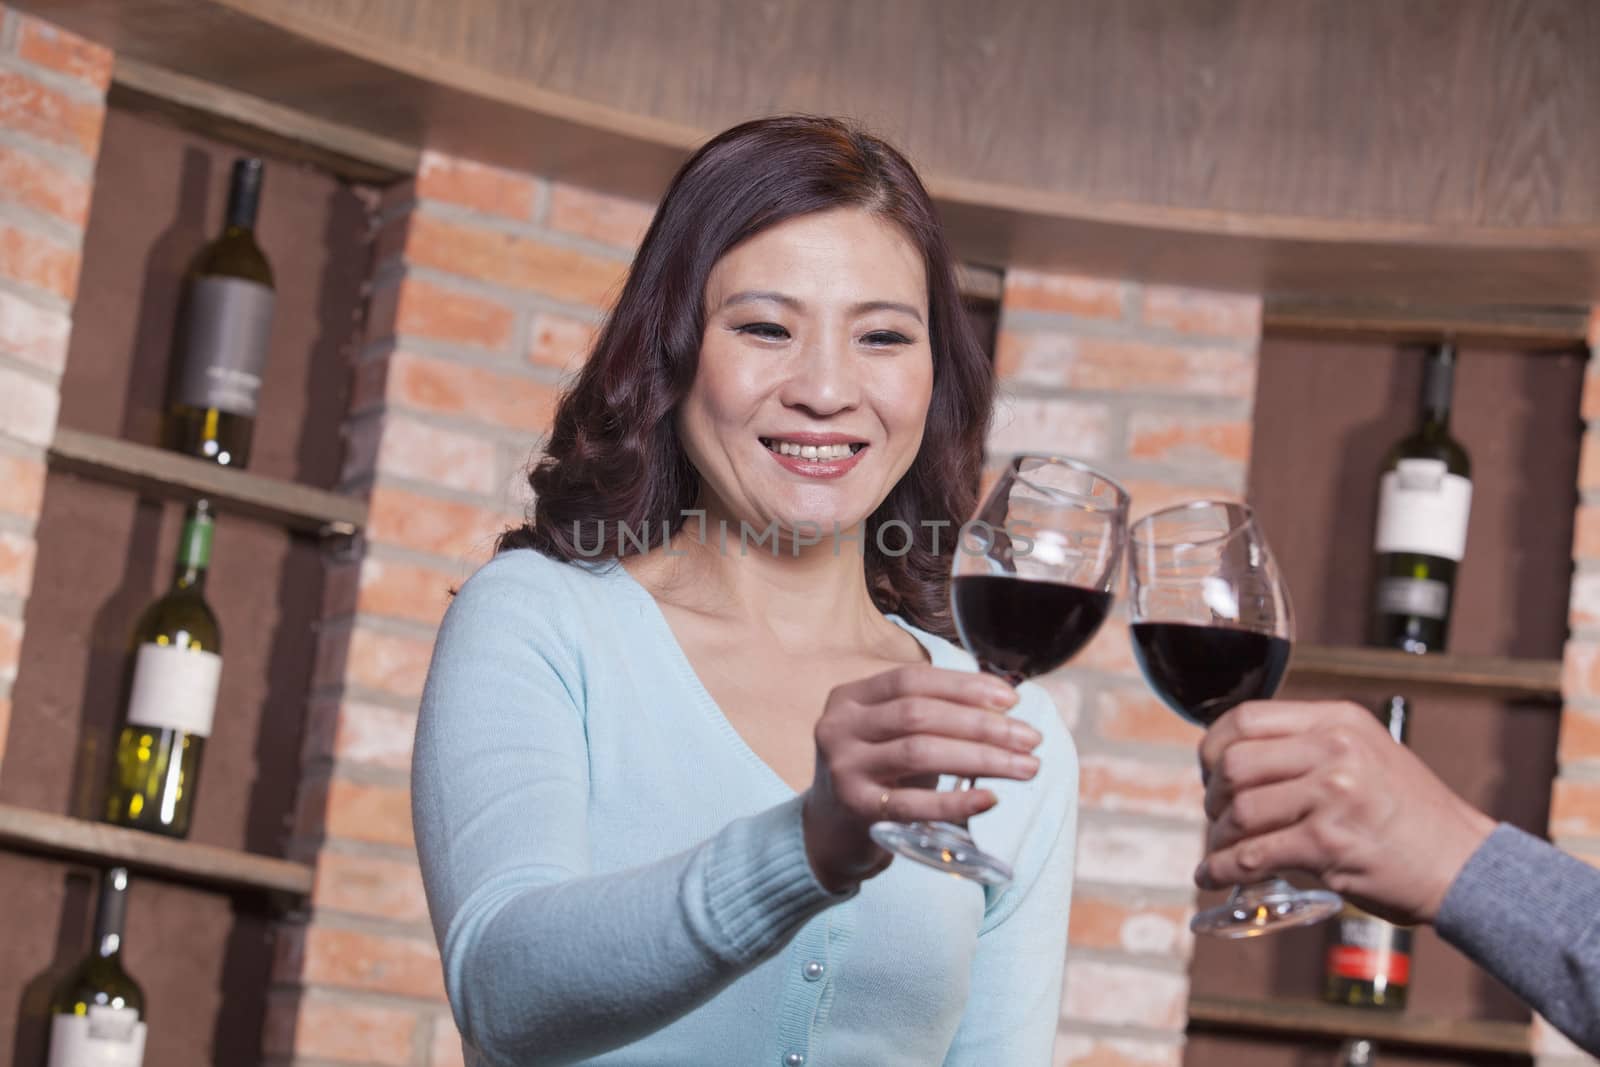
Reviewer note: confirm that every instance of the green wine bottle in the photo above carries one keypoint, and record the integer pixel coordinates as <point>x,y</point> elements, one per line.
<point>1424,502</point>
<point>97,1016</point>
<point>177,666</point>
<point>226,324</point>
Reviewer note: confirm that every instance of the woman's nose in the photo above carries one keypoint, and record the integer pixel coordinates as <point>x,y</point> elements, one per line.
<point>824,380</point>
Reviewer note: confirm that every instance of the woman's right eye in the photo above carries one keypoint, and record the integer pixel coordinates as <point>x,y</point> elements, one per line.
<point>767,331</point>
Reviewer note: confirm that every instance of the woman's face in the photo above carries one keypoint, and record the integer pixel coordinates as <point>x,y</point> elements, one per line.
<point>815,373</point>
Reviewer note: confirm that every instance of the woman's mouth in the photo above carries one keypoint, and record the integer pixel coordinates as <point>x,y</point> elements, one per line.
<point>813,460</point>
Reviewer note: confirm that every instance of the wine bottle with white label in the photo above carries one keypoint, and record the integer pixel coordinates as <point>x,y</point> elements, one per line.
<point>177,665</point>
<point>97,1016</point>
<point>1424,502</point>
<point>223,335</point>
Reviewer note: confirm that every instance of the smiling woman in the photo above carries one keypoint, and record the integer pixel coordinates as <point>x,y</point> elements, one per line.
<point>646,767</point>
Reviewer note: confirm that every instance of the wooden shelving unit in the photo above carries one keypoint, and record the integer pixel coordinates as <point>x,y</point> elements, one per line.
<point>295,507</point>
<point>45,834</point>
<point>1327,1020</point>
<point>1485,674</point>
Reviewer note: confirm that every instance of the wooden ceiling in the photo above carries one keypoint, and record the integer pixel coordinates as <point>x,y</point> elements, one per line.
<point>1434,151</point>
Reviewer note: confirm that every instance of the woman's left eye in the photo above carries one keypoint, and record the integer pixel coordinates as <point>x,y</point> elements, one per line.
<point>884,338</point>
<point>767,331</point>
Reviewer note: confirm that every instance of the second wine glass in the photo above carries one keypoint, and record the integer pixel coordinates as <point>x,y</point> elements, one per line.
<point>1212,629</point>
<point>1032,583</point>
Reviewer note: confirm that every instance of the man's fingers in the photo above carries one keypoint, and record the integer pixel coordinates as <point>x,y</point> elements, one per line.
<point>1248,764</point>
<point>1256,859</point>
<point>1256,720</point>
<point>1262,810</point>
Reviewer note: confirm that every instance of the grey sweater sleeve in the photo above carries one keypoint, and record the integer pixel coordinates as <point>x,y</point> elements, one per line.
<point>1529,914</point>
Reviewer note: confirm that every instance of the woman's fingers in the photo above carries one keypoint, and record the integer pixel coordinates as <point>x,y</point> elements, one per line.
<point>920,715</point>
<point>927,805</point>
<point>925,754</point>
<point>961,687</point>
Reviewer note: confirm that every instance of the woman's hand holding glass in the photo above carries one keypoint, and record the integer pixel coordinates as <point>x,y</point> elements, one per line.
<point>882,744</point>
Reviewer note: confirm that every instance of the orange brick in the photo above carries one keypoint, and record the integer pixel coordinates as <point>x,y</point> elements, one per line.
<point>446,1050</point>
<point>437,385</point>
<point>351,960</point>
<point>32,333</point>
<point>560,342</point>
<point>1580,737</point>
<point>39,111</point>
<point>1077,1050</point>
<point>1125,925</point>
<point>17,555</point>
<point>27,180</point>
<point>21,485</point>
<point>63,52</point>
<point>357,812</point>
<point>1072,294</point>
<point>1130,714</point>
<point>27,408</point>
<point>387,662</point>
<point>1199,311</point>
<point>517,262</point>
<point>1149,497</point>
<point>1066,427</point>
<point>1575,809</point>
<point>10,647</point>
<point>38,261</point>
<point>1138,855</point>
<point>1589,462</point>
<point>364,885</point>
<point>1141,787</point>
<point>1168,438</point>
<point>1583,609</point>
<point>476,186</point>
<point>5,724</point>
<point>337,1031</point>
<point>439,527</point>
<point>1065,361</point>
<point>1586,533</point>
<point>403,591</point>
<point>376,736</point>
<point>420,452</point>
<point>610,220</point>
<point>1110,650</point>
<point>1580,669</point>
<point>423,309</point>
<point>1125,994</point>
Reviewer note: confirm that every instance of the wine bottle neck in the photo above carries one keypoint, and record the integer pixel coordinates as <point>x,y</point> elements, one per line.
<point>194,550</point>
<point>1438,383</point>
<point>108,917</point>
<point>244,195</point>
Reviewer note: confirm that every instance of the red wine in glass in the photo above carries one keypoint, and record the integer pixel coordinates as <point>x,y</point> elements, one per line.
<point>1030,585</point>
<point>1202,672</point>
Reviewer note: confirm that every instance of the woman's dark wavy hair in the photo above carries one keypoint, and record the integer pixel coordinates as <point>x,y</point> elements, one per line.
<point>614,456</point>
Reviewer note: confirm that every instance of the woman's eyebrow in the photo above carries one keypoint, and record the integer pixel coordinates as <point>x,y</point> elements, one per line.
<point>751,296</point>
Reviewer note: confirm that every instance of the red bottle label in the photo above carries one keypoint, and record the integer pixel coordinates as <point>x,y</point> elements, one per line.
<point>1367,964</point>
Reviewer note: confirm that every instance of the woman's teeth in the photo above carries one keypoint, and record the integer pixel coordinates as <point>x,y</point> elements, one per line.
<point>824,453</point>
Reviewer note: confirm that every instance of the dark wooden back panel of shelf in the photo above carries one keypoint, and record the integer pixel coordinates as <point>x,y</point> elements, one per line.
<point>1326,412</point>
<point>104,553</point>
<point>1293,1051</point>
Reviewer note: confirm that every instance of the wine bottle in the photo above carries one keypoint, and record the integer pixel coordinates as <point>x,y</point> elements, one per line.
<point>1369,961</point>
<point>1358,1052</point>
<point>177,664</point>
<point>97,1016</point>
<point>1424,501</point>
<point>222,339</point>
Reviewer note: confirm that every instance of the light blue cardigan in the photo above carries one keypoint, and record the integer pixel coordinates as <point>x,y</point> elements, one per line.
<point>615,877</point>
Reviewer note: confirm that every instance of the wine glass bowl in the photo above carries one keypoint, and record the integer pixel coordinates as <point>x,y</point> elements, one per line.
<point>1212,628</point>
<point>1032,582</point>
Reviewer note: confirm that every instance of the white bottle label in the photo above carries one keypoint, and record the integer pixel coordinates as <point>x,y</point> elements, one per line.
<point>106,1037</point>
<point>174,689</point>
<point>1424,508</point>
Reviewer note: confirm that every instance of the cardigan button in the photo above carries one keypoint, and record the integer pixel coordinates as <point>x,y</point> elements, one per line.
<point>813,971</point>
<point>795,1059</point>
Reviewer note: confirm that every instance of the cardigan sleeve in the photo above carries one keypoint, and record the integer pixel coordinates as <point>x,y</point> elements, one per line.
<point>545,961</point>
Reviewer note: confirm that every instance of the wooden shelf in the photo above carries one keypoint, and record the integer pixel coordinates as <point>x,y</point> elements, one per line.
<point>1393,1028</point>
<point>1488,674</point>
<point>295,507</point>
<point>42,833</point>
<point>1524,327</point>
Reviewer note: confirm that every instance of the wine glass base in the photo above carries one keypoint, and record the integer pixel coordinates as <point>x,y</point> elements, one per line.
<point>943,847</point>
<point>1266,909</point>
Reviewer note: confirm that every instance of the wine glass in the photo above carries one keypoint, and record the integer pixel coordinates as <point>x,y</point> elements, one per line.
<point>1212,628</point>
<point>1032,582</point>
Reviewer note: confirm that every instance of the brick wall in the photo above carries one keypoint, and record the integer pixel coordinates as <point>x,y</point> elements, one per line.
<point>1575,795</point>
<point>487,288</point>
<point>52,107</point>
<point>1155,384</point>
